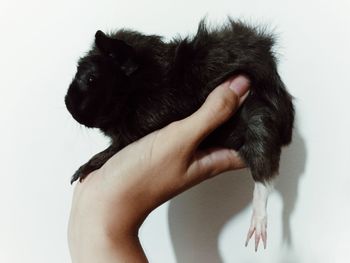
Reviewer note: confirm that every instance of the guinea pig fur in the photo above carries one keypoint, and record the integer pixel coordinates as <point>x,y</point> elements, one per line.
<point>130,84</point>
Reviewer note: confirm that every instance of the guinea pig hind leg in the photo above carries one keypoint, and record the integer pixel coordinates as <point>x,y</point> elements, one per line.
<point>94,163</point>
<point>258,223</point>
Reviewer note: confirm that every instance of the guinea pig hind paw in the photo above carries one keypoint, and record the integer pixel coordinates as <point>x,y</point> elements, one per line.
<point>258,226</point>
<point>258,223</point>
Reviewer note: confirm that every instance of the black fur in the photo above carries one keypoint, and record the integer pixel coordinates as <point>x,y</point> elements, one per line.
<point>130,84</point>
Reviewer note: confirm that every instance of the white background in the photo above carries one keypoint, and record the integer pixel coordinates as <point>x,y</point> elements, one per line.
<point>41,145</point>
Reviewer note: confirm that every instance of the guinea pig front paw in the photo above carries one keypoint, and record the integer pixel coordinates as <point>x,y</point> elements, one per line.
<point>77,175</point>
<point>82,173</point>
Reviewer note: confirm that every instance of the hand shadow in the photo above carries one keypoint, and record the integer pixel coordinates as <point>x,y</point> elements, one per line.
<point>197,216</point>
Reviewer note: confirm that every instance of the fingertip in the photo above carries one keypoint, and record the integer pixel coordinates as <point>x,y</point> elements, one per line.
<point>237,161</point>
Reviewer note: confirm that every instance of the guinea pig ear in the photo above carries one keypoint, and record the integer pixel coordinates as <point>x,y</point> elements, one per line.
<point>103,42</point>
<point>117,49</point>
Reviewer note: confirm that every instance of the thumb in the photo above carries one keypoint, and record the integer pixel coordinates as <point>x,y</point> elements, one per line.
<point>219,106</point>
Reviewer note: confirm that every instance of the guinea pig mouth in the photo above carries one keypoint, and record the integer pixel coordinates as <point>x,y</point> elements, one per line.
<point>84,121</point>
<point>79,117</point>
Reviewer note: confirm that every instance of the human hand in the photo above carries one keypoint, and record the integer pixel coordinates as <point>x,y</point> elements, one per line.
<point>111,203</point>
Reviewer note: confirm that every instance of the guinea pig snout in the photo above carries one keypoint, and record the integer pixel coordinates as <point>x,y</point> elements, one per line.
<point>75,102</point>
<point>71,98</point>
<point>79,105</point>
<point>69,103</point>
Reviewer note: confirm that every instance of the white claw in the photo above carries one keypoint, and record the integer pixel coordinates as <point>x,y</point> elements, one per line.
<point>258,223</point>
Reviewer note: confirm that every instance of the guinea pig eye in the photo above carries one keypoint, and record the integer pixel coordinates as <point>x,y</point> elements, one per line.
<point>91,79</point>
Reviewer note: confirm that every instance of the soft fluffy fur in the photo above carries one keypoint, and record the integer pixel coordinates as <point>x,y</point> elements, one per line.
<point>130,84</point>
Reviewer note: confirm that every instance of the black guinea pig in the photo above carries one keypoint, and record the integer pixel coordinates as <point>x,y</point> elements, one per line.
<point>130,84</point>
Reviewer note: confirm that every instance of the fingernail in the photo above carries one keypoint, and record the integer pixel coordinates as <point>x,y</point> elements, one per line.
<point>240,85</point>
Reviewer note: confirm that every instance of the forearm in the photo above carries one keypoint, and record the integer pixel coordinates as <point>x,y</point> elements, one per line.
<point>109,234</point>
<point>106,250</point>
<point>127,249</point>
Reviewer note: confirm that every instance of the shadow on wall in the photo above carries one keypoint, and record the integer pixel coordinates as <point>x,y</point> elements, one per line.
<point>197,216</point>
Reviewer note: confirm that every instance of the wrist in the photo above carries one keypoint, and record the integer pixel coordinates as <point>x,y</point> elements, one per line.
<point>126,248</point>
<point>102,246</point>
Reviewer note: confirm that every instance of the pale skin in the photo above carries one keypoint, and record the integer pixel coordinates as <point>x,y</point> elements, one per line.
<point>110,205</point>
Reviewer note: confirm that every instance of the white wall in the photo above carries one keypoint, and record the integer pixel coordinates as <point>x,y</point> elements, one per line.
<point>41,145</point>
